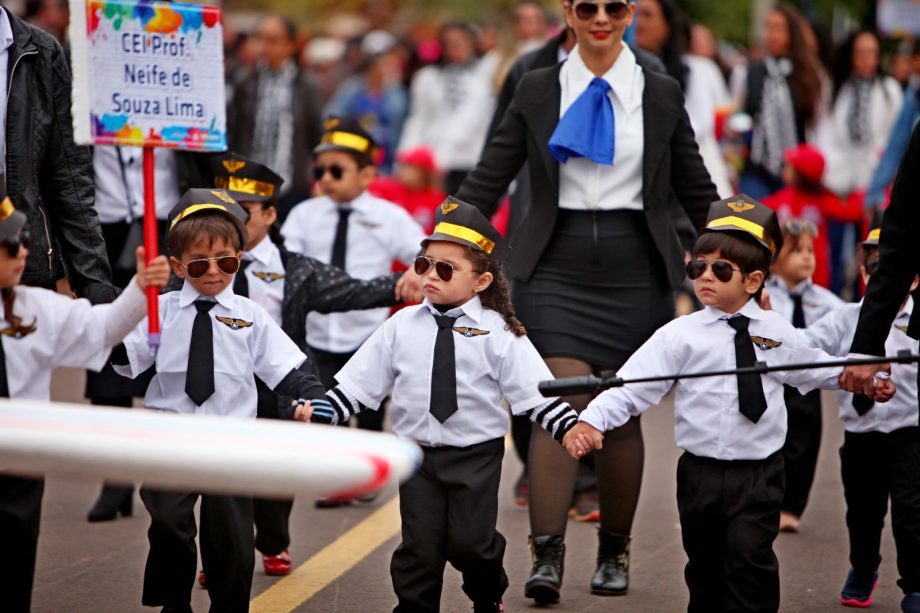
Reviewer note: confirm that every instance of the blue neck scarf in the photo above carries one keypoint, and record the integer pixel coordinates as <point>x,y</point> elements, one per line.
<point>587,128</point>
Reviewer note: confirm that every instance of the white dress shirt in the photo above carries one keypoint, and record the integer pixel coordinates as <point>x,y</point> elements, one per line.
<point>816,300</point>
<point>265,275</point>
<point>255,345</point>
<point>834,332</point>
<point>68,332</point>
<point>584,184</point>
<point>116,203</point>
<point>6,41</point>
<point>708,422</point>
<point>378,233</point>
<point>491,366</point>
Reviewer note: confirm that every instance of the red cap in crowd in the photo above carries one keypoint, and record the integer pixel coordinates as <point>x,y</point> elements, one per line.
<point>422,157</point>
<point>807,162</point>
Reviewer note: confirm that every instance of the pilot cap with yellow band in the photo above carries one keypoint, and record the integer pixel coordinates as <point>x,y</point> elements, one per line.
<point>346,134</point>
<point>462,223</point>
<point>11,220</point>
<point>742,213</point>
<point>873,237</point>
<point>202,200</point>
<point>245,179</point>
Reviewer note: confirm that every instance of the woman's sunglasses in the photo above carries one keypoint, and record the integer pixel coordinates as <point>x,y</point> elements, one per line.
<point>588,10</point>
<point>722,271</point>
<point>14,243</point>
<point>335,170</point>
<point>444,270</point>
<point>798,227</point>
<point>228,264</point>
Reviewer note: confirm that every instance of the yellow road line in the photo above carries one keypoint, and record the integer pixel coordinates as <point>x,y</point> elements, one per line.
<point>331,562</point>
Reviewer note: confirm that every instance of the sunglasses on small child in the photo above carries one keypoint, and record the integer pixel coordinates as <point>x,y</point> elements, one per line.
<point>798,227</point>
<point>228,264</point>
<point>588,10</point>
<point>722,271</point>
<point>335,170</point>
<point>444,270</point>
<point>14,243</point>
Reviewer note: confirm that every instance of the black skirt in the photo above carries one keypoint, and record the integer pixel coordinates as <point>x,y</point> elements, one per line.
<point>599,291</point>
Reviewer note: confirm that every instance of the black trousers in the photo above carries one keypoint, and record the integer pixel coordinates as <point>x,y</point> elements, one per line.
<point>271,516</point>
<point>226,549</point>
<point>876,466</point>
<point>329,363</point>
<point>800,451</point>
<point>449,510</point>
<point>20,516</point>
<point>729,518</point>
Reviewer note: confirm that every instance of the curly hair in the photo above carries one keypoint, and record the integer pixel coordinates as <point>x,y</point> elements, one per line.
<point>16,327</point>
<point>498,295</point>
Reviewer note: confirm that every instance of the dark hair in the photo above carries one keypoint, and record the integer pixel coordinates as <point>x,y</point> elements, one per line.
<point>16,326</point>
<point>843,61</point>
<point>804,184</point>
<point>805,80</point>
<point>363,160</point>
<point>791,239</point>
<point>498,295</point>
<point>209,224</point>
<point>738,248</point>
<point>290,28</point>
<point>677,42</point>
<point>274,231</point>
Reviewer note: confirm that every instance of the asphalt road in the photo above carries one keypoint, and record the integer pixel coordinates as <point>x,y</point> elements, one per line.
<point>99,567</point>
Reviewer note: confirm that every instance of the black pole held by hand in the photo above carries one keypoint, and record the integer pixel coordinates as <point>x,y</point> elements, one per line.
<point>593,384</point>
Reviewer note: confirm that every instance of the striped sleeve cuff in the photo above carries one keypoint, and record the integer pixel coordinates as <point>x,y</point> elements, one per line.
<point>556,417</point>
<point>344,404</point>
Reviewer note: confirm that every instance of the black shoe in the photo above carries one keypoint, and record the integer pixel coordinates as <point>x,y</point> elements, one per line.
<point>857,591</point>
<point>113,499</point>
<point>488,607</point>
<point>612,575</point>
<point>183,609</point>
<point>546,576</point>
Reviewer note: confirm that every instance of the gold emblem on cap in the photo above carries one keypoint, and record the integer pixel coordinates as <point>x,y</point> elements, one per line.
<point>233,165</point>
<point>740,206</point>
<point>6,208</point>
<point>447,207</point>
<point>332,123</point>
<point>874,235</point>
<point>223,196</point>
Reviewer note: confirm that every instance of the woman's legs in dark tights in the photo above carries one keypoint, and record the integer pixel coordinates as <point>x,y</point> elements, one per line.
<point>619,475</point>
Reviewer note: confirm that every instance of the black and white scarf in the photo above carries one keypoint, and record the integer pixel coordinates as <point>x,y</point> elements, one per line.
<point>273,137</point>
<point>858,115</point>
<point>775,131</point>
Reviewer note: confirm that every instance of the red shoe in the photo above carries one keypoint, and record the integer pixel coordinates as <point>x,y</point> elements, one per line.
<point>201,581</point>
<point>278,565</point>
<point>586,507</point>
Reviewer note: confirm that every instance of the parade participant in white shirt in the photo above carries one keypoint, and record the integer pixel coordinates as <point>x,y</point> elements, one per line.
<point>213,344</point>
<point>801,302</point>
<point>732,428</point>
<point>288,286</point>
<point>880,456</point>
<point>351,230</point>
<point>451,362</point>
<point>41,330</point>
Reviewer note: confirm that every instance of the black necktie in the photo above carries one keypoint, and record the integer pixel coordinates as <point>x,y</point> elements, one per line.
<point>4,385</point>
<point>862,404</point>
<point>444,371</point>
<point>240,282</point>
<point>341,239</point>
<point>199,376</point>
<point>751,399</point>
<point>798,313</point>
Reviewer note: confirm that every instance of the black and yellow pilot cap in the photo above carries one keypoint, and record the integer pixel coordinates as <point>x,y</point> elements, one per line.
<point>462,223</point>
<point>742,213</point>
<point>245,179</point>
<point>347,134</point>
<point>11,220</point>
<point>202,200</point>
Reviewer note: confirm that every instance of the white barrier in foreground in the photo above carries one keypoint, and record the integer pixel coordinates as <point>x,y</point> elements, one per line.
<point>198,453</point>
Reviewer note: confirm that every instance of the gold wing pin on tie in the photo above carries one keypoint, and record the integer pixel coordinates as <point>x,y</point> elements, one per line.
<point>269,277</point>
<point>902,329</point>
<point>233,323</point>
<point>765,343</point>
<point>470,332</point>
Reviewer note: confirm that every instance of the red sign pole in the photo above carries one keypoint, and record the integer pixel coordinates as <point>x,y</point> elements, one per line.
<point>151,247</point>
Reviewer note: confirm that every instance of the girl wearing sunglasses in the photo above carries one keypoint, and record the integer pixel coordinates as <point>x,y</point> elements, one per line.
<point>596,258</point>
<point>39,331</point>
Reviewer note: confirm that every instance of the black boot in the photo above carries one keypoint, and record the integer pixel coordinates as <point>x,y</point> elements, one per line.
<point>612,575</point>
<point>546,576</point>
<point>112,500</point>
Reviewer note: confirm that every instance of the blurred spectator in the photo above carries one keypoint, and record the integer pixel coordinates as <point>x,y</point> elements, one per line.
<point>414,186</point>
<point>379,13</point>
<point>661,28</point>
<point>450,104</point>
<point>782,93</point>
<point>703,43</point>
<point>322,58</point>
<point>376,97</point>
<point>275,115</point>
<point>530,23</point>
<point>900,67</point>
<point>52,16</point>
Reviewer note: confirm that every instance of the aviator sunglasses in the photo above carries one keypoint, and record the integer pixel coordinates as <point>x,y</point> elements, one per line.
<point>444,270</point>
<point>722,271</point>
<point>797,227</point>
<point>14,243</point>
<point>335,170</point>
<point>588,10</point>
<point>227,264</point>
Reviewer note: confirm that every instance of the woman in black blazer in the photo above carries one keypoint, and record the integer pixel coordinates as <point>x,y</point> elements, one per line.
<point>595,260</point>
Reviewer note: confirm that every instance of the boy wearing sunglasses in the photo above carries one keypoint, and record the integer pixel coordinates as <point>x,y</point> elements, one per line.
<point>730,478</point>
<point>352,230</point>
<point>880,456</point>
<point>213,344</point>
